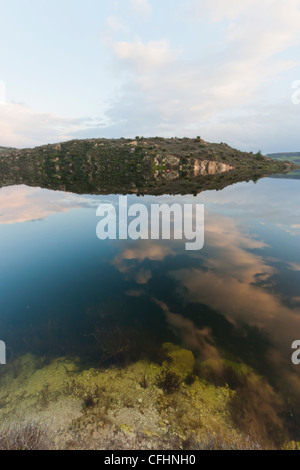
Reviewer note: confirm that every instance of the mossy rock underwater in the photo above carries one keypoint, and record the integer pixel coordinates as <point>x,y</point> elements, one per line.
<point>179,361</point>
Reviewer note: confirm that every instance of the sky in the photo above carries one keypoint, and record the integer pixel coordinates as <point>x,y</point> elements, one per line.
<point>228,71</point>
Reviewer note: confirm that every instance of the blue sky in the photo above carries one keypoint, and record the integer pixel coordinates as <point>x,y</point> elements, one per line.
<point>220,69</point>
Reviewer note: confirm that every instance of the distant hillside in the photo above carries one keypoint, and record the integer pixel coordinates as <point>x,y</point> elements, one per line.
<point>6,149</point>
<point>293,157</point>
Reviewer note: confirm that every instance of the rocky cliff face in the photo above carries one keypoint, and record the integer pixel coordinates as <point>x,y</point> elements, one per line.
<point>173,167</point>
<point>206,167</point>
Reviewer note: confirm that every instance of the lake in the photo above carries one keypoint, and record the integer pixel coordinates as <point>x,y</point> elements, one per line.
<point>65,293</point>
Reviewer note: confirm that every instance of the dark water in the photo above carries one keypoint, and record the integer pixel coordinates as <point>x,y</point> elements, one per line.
<point>65,292</point>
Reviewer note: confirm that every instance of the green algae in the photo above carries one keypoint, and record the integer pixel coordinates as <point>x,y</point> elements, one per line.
<point>92,404</point>
<point>182,360</point>
<point>291,445</point>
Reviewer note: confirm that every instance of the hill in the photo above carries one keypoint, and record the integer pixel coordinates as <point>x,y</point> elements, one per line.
<point>141,165</point>
<point>293,157</point>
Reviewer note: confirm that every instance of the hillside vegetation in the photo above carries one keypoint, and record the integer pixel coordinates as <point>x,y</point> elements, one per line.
<point>293,157</point>
<point>152,166</point>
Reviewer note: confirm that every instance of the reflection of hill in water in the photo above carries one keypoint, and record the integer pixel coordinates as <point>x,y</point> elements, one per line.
<point>144,166</point>
<point>293,157</point>
<point>293,175</point>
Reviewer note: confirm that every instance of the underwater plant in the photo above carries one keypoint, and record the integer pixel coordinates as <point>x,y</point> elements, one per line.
<point>29,435</point>
<point>168,381</point>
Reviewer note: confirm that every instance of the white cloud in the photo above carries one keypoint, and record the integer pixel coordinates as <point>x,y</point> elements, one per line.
<point>141,8</point>
<point>114,24</point>
<point>21,126</point>
<point>21,203</point>
<point>198,340</point>
<point>237,271</point>
<point>167,94</point>
<point>233,87</point>
<point>247,11</point>
<point>144,57</point>
<point>268,127</point>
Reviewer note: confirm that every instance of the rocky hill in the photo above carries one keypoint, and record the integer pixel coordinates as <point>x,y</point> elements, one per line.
<point>152,166</point>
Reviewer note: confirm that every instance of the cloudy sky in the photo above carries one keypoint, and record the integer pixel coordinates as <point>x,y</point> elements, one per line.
<point>222,69</point>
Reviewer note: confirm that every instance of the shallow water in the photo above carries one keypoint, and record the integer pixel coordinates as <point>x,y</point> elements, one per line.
<point>66,293</point>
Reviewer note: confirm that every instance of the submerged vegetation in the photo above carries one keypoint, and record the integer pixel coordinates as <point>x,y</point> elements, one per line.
<point>29,435</point>
<point>145,405</point>
<point>143,166</point>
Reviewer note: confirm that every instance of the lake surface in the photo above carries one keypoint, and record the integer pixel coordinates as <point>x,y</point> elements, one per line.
<point>64,292</point>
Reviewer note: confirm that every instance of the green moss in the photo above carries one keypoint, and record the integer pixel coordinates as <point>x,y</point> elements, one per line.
<point>291,445</point>
<point>126,429</point>
<point>182,360</point>
<point>113,401</point>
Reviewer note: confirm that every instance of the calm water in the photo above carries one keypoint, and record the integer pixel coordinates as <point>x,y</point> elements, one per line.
<point>65,292</point>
